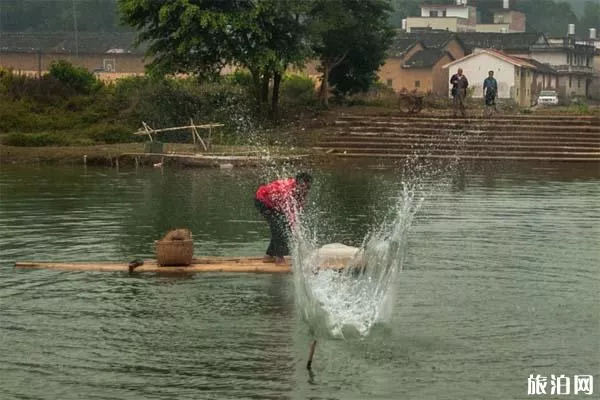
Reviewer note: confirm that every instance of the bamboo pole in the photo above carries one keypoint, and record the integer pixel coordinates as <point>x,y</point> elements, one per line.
<point>146,131</point>
<point>177,128</point>
<point>202,264</point>
<point>193,132</point>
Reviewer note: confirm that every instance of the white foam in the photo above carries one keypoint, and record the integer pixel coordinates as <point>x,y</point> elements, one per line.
<point>353,301</point>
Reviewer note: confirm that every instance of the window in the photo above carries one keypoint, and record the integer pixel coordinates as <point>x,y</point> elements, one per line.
<point>417,84</point>
<point>433,13</point>
<point>570,81</point>
<point>579,82</point>
<point>444,13</point>
<point>389,82</point>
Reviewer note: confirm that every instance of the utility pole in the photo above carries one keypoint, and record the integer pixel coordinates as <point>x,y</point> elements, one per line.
<point>75,29</point>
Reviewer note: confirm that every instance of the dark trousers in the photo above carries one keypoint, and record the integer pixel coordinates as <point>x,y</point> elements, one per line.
<point>459,102</point>
<point>279,227</point>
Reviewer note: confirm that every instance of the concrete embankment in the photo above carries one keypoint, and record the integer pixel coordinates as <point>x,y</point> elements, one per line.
<point>509,137</point>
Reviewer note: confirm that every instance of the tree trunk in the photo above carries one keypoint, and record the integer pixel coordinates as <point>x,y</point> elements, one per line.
<point>328,65</point>
<point>275,97</point>
<point>256,82</point>
<point>324,89</point>
<point>264,92</point>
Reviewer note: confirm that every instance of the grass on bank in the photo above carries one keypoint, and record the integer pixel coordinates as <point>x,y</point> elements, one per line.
<point>68,106</point>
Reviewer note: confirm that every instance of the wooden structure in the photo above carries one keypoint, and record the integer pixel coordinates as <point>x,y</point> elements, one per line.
<point>202,264</point>
<point>196,138</point>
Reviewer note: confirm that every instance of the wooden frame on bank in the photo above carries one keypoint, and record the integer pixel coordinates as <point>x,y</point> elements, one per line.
<point>147,130</point>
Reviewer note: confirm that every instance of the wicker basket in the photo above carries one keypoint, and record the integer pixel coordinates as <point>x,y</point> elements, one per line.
<point>174,252</point>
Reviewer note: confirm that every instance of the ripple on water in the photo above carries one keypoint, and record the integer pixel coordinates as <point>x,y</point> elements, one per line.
<point>500,281</point>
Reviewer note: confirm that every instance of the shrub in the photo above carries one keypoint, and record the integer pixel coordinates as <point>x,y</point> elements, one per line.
<point>78,78</point>
<point>172,102</point>
<point>241,78</point>
<point>297,89</point>
<point>110,134</point>
<point>18,86</point>
<point>35,140</point>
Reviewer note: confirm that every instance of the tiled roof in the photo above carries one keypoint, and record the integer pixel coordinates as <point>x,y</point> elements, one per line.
<point>520,62</point>
<point>87,42</point>
<point>545,68</point>
<point>429,39</point>
<point>425,58</point>
<point>501,41</point>
<point>401,45</point>
<point>444,5</point>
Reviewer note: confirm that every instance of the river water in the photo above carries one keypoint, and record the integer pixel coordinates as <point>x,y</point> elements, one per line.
<point>501,279</point>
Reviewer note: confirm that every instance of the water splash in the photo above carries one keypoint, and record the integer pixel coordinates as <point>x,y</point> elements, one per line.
<point>352,301</point>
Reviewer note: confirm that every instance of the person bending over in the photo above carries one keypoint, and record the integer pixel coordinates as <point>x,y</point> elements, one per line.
<point>278,202</point>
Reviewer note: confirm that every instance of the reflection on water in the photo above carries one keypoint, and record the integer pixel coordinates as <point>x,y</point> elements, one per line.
<point>500,281</point>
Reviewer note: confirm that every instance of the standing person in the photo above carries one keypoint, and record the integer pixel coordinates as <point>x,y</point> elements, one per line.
<point>459,92</point>
<point>490,91</point>
<point>278,202</point>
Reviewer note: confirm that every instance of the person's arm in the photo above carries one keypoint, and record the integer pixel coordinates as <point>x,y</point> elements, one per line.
<point>466,82</point>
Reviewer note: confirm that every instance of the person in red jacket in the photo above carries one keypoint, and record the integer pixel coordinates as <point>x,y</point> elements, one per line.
<point>278,203</point>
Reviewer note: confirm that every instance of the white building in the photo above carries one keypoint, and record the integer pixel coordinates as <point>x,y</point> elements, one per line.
<point>573,61</point>
<point>515,76</point>
<point>459,17</point>
<point>462,17</point>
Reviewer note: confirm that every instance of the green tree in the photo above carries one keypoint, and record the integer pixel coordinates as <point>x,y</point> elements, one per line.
<point>403,9</point>
<point>351,36</point>
<point>202,36</point>
<point>548,16</point>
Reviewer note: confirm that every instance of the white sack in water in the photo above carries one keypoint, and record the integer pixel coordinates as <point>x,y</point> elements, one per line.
<point>336,253</point>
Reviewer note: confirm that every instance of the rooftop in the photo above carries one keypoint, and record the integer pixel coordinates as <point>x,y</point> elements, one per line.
<point>542,67</point>
<point>520,62</point>
<point>501,41</point>
<point>444,5</point>
<point>425,58</point>
<point>64,42</point>
<point>401,45</point>
<point>429,39</point>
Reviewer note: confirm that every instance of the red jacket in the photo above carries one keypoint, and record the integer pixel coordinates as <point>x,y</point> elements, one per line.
<point>281,195</point>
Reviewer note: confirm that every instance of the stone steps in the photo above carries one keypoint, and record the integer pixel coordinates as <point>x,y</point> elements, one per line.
<point>564,158</point>
<point>472,152</point>
<point>444,133</point>
<point>471,140</point>
<point>457,146</point>
<point>442,126</point>
<point>510,137</point>
<point>520,119</point>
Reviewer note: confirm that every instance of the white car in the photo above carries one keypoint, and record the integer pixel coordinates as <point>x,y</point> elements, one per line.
<point>548,97</point>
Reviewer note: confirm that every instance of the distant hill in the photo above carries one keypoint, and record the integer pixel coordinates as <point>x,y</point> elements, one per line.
<point>577,6</point>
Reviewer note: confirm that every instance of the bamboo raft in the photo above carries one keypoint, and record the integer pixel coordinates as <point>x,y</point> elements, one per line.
<point>202,264</point>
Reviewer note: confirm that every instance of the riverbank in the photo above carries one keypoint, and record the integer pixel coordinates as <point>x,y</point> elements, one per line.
<point>125,154</point>
<point>325,134</point>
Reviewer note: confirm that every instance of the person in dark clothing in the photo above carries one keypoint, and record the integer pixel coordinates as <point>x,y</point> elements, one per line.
<point>490,91</point>
<point>459,92</point>
<point>278,202</point>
